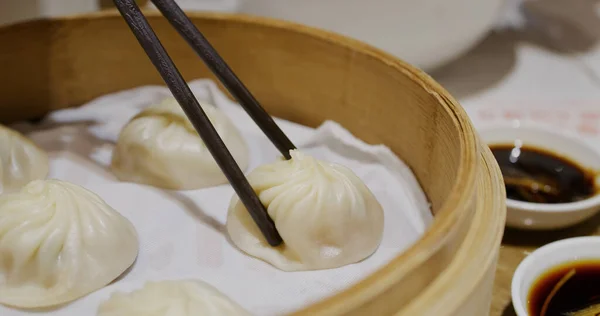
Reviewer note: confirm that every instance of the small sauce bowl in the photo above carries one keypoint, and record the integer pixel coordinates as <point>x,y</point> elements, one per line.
<point>542,216</point>
<point>546,258</point>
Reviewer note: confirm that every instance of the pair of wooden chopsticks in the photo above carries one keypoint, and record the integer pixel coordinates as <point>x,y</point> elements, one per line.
<point>184,96</point>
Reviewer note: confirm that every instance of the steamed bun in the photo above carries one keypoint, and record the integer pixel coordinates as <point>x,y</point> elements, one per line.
<point>59,242</point>
<point>160,147</point>
<point>21,161</point>
<point>326,216</point>
<point>179,297</point>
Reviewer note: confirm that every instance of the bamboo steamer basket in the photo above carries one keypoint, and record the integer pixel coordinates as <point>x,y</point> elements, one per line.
<point>307,76</point>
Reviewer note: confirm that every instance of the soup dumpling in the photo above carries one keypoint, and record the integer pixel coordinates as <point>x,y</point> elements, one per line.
<point>172,297</point>
<point>326,216</point>
<point>59,242</point>
<point>21,161</point>
<point>160,147</point>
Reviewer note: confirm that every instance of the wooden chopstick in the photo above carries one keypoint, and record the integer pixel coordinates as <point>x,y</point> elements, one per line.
<point>219,67</point>
<point>184,96</point>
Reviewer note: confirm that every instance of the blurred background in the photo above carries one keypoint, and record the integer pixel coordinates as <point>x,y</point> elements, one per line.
<point>487,53</point>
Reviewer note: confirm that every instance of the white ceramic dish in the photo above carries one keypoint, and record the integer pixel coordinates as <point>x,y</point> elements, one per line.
<point>545,258</point>
<point>425,33</point>
<point>537,216</point>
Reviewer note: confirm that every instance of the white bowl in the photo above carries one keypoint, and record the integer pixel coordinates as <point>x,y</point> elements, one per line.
<point>425,33</point>
<point>538,216</point>
<point>544,259</point>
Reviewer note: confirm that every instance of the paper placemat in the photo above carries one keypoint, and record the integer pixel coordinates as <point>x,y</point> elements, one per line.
<point>182,232</point>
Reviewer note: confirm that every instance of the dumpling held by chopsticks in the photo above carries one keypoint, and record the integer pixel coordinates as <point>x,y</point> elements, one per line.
<point>160,147</point>
<point>326,216</point>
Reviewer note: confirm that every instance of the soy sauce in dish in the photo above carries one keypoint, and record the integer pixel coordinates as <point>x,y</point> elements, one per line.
<point>571,289</point>
<point>539,176</point>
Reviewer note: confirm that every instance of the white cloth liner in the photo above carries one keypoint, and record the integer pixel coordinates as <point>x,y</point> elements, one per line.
<point>182,232</point>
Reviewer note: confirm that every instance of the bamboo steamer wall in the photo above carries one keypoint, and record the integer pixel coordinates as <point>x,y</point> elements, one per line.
<point>307,76</point>
<point>465,287</point>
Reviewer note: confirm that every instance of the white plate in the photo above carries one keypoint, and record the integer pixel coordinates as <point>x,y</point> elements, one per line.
<point>538,216</point>
<point>544,259</point>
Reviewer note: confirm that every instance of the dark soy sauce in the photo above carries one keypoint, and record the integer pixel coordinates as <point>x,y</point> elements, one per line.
<point>578,296</point>
<point>539,176</point>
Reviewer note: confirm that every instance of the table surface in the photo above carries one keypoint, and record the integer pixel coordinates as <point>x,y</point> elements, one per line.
<point>545,67</point>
